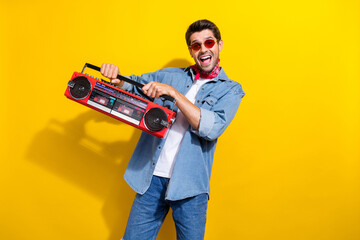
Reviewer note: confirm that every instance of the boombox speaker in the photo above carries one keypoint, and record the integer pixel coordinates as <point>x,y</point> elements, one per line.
<point>137,111</point>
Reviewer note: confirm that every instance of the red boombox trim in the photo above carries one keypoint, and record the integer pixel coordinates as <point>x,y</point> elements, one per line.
<point>106,98</point>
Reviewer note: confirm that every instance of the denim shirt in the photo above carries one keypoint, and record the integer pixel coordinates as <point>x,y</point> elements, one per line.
<point>218,101</point>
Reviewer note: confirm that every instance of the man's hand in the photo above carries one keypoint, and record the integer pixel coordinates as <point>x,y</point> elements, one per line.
<point>111,71</point>
<point>156,89</point>
<point>190,111</point>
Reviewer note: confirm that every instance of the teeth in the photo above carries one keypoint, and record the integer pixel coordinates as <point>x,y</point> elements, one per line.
<point>204,58</point>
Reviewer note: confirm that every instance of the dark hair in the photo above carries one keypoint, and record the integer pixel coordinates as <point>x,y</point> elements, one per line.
<point>200,25</point>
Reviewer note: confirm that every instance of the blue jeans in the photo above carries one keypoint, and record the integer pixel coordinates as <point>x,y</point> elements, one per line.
<point>149,210</point>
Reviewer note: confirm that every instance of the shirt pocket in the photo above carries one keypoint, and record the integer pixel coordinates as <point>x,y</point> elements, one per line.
<point>209,101</point>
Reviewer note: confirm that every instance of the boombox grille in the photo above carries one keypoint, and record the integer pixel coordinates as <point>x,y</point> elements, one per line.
<point>79,87</point>
<point>155,119</point>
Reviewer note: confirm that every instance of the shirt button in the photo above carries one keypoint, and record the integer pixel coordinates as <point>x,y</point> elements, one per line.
<point>202,88</point>
<point>198,101</point>
<point>187,86</point>
<point>159,147</point>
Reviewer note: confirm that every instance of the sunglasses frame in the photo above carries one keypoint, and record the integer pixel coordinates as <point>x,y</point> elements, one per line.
<point>206,44</point>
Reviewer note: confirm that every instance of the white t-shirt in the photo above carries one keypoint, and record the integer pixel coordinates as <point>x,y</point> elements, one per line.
<point>176,133</point>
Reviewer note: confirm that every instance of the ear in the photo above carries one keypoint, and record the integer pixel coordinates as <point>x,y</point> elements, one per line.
<point>190,52</point>
<point>220,45</point>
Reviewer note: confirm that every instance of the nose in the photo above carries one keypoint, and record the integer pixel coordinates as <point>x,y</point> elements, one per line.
<point>203,48</point>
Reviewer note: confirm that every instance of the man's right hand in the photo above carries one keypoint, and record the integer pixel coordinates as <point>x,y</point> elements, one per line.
<point>111,71</point>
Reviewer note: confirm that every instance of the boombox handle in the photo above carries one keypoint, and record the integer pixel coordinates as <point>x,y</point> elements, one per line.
<point>129,80</point>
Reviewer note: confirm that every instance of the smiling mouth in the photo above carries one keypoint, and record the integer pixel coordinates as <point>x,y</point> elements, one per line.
<point>206,59</point>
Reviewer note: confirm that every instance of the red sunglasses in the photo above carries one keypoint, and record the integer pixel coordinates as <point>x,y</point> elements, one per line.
<point>208,44</point>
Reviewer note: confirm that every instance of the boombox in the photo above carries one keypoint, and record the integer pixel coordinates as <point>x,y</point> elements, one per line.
<point>127,107</point>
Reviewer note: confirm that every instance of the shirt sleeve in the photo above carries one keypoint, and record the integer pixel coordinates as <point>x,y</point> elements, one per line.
<point>215,120</point>
<point>143,79</point>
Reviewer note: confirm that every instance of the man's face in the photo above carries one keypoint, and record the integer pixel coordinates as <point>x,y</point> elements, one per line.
<point>205,58</point>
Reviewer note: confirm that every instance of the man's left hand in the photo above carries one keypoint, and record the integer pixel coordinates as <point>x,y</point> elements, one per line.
<point>156,89</point>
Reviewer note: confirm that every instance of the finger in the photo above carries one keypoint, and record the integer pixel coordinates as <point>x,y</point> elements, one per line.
<point>111,70</point>
<point>146,87</point>
<point>156,91</point>
<point>159,92</point>
<point>150,89</point>
<point>102,69</point>
<point>115,72</point>
<point>106,70</point>
<point>115,81</point>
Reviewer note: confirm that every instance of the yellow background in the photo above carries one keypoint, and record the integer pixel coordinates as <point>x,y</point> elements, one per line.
<point>287,168</point>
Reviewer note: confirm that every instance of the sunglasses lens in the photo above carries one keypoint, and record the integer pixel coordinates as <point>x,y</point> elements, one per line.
<point>195,46</point>
<point>209,43</point>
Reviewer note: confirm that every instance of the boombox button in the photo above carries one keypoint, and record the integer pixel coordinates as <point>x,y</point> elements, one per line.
<point>71,84</point>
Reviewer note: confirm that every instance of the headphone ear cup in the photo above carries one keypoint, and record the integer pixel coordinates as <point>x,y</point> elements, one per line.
<point>154,119</point>
<point>80,87</point>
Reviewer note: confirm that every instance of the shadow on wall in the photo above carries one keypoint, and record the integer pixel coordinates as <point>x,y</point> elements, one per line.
<point>94,164</point>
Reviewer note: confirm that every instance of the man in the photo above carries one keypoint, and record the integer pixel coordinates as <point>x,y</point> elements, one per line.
<point>175,171</point>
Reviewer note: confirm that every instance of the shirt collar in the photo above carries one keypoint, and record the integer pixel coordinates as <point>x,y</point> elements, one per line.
<point>222,75</point>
